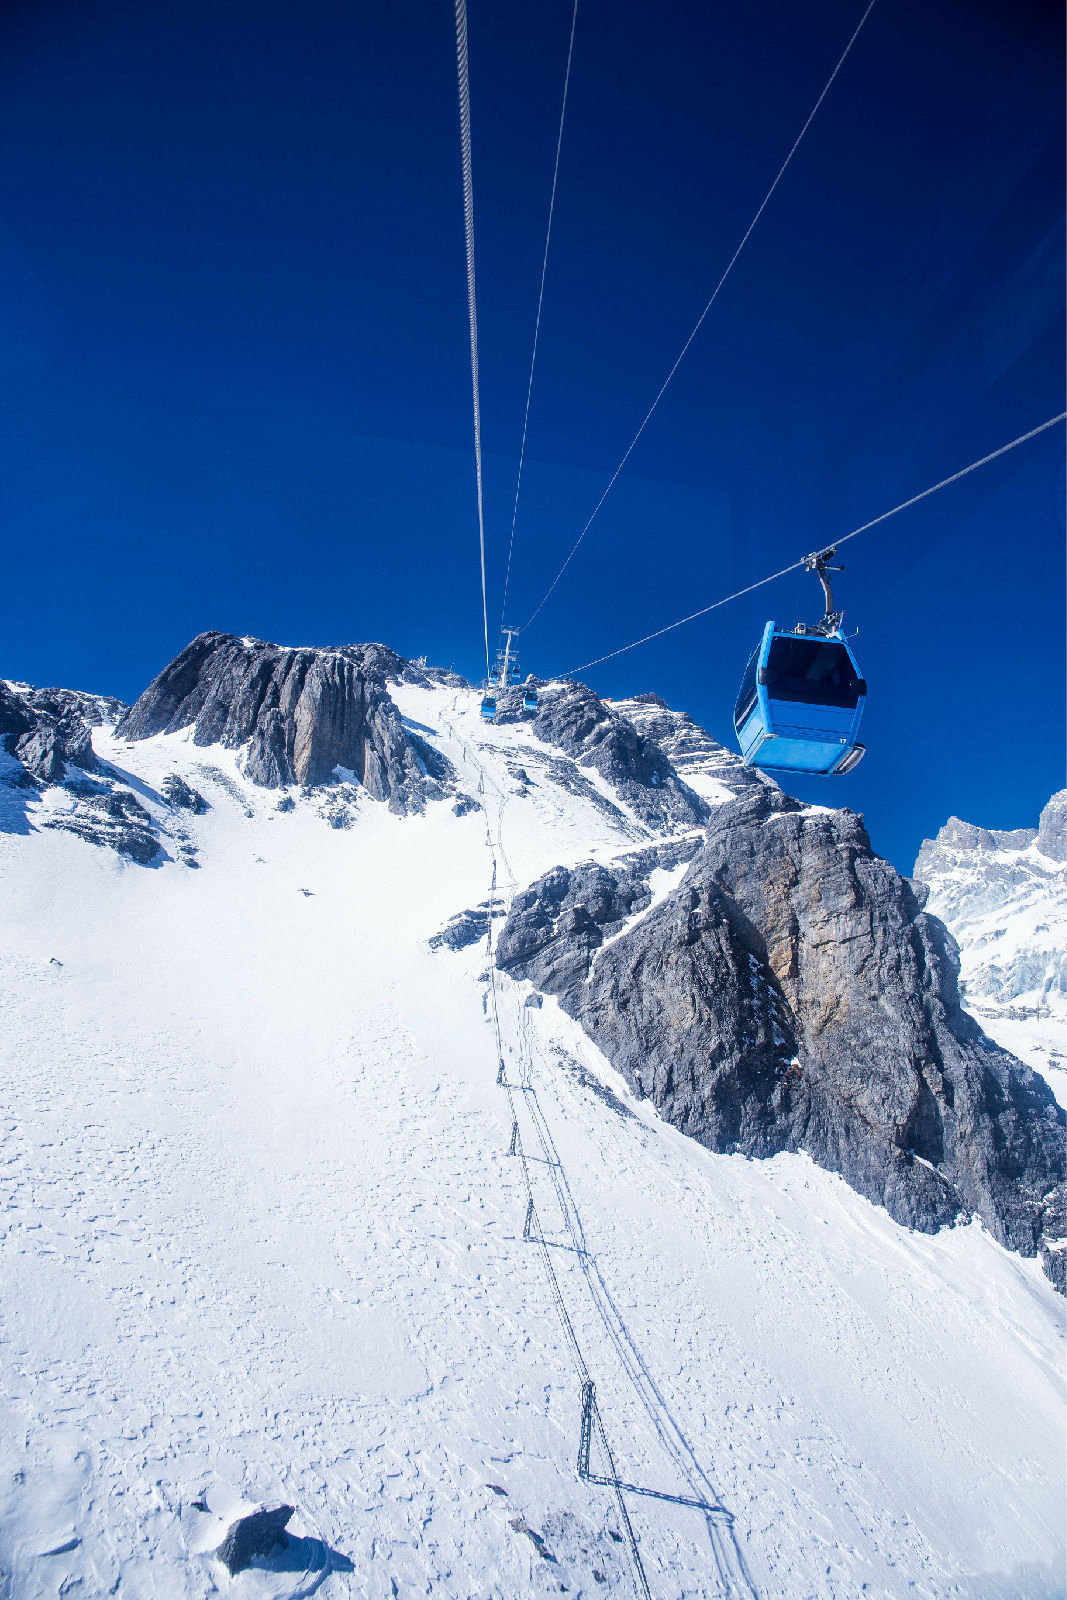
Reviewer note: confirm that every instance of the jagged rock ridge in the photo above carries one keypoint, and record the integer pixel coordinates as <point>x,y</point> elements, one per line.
<point>700,761</point>
<point>47,729</point>
<point>791,994</point>
<point>597,736</point>
<point>307,716</point>
<point>325,719</point>
<point>49,733</point>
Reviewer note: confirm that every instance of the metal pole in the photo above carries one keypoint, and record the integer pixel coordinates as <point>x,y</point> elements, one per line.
<point>585,1437</point>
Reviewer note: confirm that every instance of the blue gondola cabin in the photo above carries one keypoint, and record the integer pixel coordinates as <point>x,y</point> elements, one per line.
<point>800,704</point>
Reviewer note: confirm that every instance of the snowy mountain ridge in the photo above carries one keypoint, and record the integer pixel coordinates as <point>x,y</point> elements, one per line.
<point>263,1238</point>
<point>1003,895</point>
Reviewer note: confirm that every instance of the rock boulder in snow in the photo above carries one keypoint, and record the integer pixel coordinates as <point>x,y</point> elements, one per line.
<point>176,792</point>
<point>790,994</point>
<point>254,1535</point>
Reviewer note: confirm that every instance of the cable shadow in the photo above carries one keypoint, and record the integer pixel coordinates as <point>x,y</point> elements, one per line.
<point>729,1559</point>
<point>662,1494</point>
<point>735,1580</point>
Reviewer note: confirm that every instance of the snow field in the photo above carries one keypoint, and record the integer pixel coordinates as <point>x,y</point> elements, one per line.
<point>262,1239</point>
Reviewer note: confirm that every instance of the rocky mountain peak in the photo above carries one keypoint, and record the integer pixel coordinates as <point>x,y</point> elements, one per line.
<point>308,715</point>
<point>303,714</point>
<point>791,994</point>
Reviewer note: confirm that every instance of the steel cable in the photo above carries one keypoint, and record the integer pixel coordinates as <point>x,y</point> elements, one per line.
<point>700,320</point>
<point>537,321</point>
<point>462,73</point>
<point>794,566</point>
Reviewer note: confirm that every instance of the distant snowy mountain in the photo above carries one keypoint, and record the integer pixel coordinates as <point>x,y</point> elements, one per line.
<point>1003,895</point>
<point>376,1080</point>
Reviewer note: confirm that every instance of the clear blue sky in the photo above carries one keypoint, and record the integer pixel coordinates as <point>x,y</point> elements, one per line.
<point>233,314</point>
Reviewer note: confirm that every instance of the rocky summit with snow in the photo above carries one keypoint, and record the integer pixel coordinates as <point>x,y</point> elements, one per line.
<point>542,1156</point>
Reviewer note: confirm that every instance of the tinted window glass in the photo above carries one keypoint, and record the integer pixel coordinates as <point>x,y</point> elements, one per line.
<point>816,670</point>
<point>747,697</point>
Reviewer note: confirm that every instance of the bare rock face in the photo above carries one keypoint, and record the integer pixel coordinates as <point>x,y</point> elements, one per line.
<point>791,994</point>
<point>466,927</point>
<point>1052,828</point>
<point>15,719</point>
<point>576,721</point>
<point>49,731</point>
<point>302,713</point>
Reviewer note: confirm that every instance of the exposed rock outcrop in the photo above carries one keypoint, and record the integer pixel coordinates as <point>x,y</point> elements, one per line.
<point>466,927</point>
<point>305,716</point>
<point>49,732</point>
<point>15,718</point>
<point>790,994</point>
<point>109,816</point>
<point>1052,828</point>
<point>49,729</point>
<point>176,792</point>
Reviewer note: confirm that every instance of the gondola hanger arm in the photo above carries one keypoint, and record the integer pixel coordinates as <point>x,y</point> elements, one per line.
<point>818,562</point>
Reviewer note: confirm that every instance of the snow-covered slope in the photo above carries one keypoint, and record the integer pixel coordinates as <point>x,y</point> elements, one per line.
<point>1003,895</point>
<point>263,1238</point>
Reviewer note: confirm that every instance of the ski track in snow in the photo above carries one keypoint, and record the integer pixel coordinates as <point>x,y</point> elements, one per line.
<point>262,1239</point>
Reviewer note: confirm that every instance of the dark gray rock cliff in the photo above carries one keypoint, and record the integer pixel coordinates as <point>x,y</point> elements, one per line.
<point>300,713</point>
<point>790,994</point>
